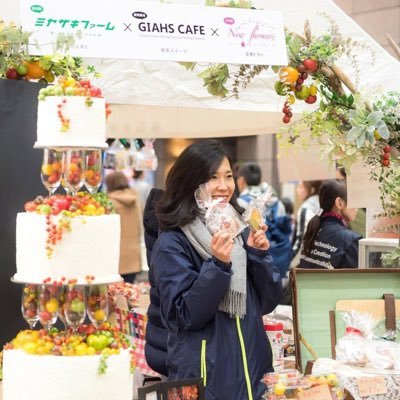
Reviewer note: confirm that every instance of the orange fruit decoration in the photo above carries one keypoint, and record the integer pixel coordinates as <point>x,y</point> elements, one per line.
<point>288,75</point>
<point>35,71</point>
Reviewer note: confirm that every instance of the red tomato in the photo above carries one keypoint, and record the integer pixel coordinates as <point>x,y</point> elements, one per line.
<point>30,206</point>
<point>61,203</point>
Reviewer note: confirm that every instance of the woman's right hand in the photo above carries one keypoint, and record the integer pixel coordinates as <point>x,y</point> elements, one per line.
<point>221,246</point>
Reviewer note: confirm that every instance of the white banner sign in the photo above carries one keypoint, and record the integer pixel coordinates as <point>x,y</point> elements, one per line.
<point>156,31</point>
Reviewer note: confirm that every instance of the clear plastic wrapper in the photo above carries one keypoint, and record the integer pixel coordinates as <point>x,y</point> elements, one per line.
<point>382,354</point>
<point>255,212</point>
<point>291,385</point>
<point>219,215</point>
<point>351,348</point>
<point>367,344</point>
<point>146,158</point>
<point>274,377</point>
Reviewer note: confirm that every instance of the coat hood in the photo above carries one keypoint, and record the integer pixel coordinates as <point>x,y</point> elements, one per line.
<point>150,220</point>
<point>125,197</point>
<point>256,191</point>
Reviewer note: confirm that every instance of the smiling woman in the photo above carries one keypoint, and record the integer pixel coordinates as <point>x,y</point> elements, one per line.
<point>205,161</point>
<point>221,184</point>
<point>213,287</point>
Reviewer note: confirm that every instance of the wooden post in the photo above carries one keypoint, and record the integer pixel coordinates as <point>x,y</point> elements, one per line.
<point>394,45</point>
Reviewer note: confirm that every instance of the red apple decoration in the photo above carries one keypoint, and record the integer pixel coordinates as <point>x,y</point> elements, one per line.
<point>12,73</point>
<point>311,99</point>
<point>310,64</point>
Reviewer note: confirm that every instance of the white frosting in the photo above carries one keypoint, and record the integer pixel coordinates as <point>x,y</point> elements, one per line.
<point>87,127</point>
<point>90,248</point>
<point>35,377</point>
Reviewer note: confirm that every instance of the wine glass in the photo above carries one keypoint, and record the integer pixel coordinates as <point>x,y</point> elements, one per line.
<point>48,305</point>
<point>51,169</point>
<point>97,304</point>
<point>62,296</point>
<point>73,170</point>
<point>93,170</point>
<point>74,306</point>
<point>29,304</point>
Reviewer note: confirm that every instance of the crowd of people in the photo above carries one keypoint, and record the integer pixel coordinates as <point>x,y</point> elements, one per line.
<point>209,291</point>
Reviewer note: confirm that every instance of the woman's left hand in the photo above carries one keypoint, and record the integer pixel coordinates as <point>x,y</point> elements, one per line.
<point>258,239</point>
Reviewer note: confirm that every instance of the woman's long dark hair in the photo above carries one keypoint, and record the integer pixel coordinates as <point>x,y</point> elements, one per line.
<point>195,166</point>
<point>329,192</point>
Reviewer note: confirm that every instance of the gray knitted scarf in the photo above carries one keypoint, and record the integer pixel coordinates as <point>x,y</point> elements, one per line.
<point>234,300</point>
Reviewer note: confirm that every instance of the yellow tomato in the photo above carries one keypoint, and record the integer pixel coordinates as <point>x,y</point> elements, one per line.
<point>26,337</point>
<point>52,305</point>
<point>30,347</point>
<point>81,349</point>
<point>280,389</point>
<point>69,82</point>
<point>47,169</point>
<point>332,379</point>
<point>291,99</point>
<point>99,315</point>
<point>313,90</point>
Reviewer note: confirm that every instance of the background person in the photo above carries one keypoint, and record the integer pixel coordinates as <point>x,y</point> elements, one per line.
<point>328,242</point>
<point>307,192</point>
<point>279,231</point>
<point>359,224</point>
<point>156,334</point>
<point>141,186</point>
<point>213,289</point>
<point>127,205</point>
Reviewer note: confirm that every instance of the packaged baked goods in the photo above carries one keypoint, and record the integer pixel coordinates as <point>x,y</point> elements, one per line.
<point>219,215</point>
<point>351,348</point>
<point>255,212</point>
<point>285,384</point>
<point>293,385</point>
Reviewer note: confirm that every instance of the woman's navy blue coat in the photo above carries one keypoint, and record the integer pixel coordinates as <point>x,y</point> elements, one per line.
<point>155,348</point>
<point>190,291</point>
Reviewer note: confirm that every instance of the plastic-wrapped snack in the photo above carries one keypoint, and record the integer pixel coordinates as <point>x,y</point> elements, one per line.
<point>287,389</point>
<point>382,354</point>
<point>254,214</point>
<point>218,214</point>
<point>351,348</point>
<point>271,378</point>
<point>332,381</point>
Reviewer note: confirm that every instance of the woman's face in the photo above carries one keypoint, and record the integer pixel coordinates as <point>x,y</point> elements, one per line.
<point>302,191</point>
<point>221,185</point>
<point>349,213</point>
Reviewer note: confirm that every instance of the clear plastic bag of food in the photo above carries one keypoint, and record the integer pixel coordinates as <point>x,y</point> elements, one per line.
<point>219,215</point>
<point>272,378</point>
<point>255,212</point>
<point>351,348</point>
<point>285,385</point>
<point>382,354</point>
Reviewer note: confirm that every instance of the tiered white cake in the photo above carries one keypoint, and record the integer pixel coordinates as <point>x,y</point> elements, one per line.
<point>87,123</point>
<point>33,377</point>
<point>90,248</point>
